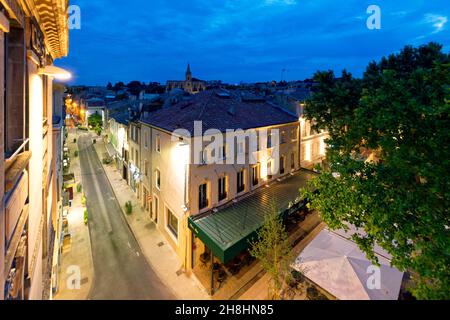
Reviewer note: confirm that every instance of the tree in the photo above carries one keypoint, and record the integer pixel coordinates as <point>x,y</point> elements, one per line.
<point>95,120</point>
<point>119,86</point>
<point>389,161</point>
<point>135,87</point>
<point>109,86</point>
<point>273,250</point>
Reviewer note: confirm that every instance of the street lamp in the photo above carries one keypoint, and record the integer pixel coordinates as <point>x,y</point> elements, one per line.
<point>55,72</point>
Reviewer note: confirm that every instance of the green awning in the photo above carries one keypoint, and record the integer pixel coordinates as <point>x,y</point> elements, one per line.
<point>228,231</point>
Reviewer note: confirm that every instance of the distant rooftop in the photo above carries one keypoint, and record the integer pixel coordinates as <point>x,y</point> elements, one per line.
<point>220,110</point>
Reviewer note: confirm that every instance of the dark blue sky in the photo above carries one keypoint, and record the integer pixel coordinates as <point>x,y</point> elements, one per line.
<point>242,40</point>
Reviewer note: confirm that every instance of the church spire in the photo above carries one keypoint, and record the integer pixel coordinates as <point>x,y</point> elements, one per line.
<point>188,72</point>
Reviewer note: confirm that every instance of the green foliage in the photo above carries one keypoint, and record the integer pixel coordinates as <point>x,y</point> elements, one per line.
<point>95,120</point>
<point>75,154</point>
<point>75,140</point>
<point>83,128</point>
<point>129,207</point>
<point>107,160</point>
<point>273,250</point>
<point>79,188</point>
<point>86,217</point>
<point>83,200</point>
<point>400,113</point>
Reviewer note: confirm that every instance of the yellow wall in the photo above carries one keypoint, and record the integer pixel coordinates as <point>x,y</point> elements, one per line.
<point>36,170</point>
<point>2,170</point>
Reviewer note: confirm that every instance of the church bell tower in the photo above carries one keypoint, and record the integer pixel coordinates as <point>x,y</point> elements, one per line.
<point>188,73</point>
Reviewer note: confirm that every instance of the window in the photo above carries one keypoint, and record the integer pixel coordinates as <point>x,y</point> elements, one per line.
<point>258,141</point>
<point>146,139</point>
<point>282,164</point>
<point>136,160</point>
<point>256,174</point>
<point>223,189</point>
<point>172,223</point>
<point>13,60</point>
<point>134,133</point>
<point>294,134</point>
<point>304,131</point>
<point>269,170</point>
<point>241,181</point>
<point>158,143</point>
<point>293,161</point>
<point>155,209</point>
<point>146,168</point>
<point>283,137</point>
<point>269,141</point>
<point>158,179</point>
<point>146,199</point>
<point>203,197</point>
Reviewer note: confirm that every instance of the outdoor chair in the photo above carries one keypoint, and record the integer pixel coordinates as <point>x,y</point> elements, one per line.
<point>221,277</point>
<point>248,260</point>
<point>234,267</point>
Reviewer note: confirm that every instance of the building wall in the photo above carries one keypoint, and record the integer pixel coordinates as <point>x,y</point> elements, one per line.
<point>181,178</point>
<point>134,139</point>
<point>211,173</point>
<point>146,157</point>
<point>26,53</point>
<point>36,220</point>
<point>2,160</point>
<point>313,146</point>
<point>171,194</point>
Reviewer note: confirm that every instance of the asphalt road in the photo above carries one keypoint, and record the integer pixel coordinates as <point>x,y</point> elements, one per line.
<point>120,269</point>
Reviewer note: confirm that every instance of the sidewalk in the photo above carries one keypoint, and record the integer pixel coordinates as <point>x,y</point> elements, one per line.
<point>79,254</point>
<point>161,258</point>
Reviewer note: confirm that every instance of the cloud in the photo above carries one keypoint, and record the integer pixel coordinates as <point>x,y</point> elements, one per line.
<point>286,2</point>
<point>437,21</point>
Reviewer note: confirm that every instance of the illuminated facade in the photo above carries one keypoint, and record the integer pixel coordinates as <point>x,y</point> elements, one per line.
<point>191,85</point>
<point>118,139</point>
<point>313,146</point>
<point>35,37</point>
<point>176,186</point>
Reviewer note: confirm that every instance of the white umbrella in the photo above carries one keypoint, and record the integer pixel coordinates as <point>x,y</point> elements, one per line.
<point>338,266</point>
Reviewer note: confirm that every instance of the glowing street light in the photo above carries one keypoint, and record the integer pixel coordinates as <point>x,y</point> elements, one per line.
<point>55,72</point>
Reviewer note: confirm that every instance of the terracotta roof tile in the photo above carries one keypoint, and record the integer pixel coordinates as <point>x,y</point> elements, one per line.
<point>222,113</point>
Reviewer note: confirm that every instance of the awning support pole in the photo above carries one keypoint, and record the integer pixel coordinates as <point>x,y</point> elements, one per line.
<point>212,274</point>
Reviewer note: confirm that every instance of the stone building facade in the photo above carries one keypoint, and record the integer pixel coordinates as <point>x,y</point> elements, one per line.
<point>35,37</point>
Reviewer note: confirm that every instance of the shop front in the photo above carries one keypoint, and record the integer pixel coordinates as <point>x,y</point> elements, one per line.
<point>221,238</point>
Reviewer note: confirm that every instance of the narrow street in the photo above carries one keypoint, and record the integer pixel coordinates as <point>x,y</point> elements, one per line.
<point>120,269</point>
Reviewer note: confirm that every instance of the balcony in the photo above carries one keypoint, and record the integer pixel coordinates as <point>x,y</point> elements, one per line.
<point>15,165</point>
<point>16,208</point>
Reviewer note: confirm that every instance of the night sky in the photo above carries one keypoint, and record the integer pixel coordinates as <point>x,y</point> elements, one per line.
<point>242,40</point>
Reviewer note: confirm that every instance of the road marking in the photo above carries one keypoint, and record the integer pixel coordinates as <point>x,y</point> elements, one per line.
<point>129,245</point>
<point>137,253</point>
